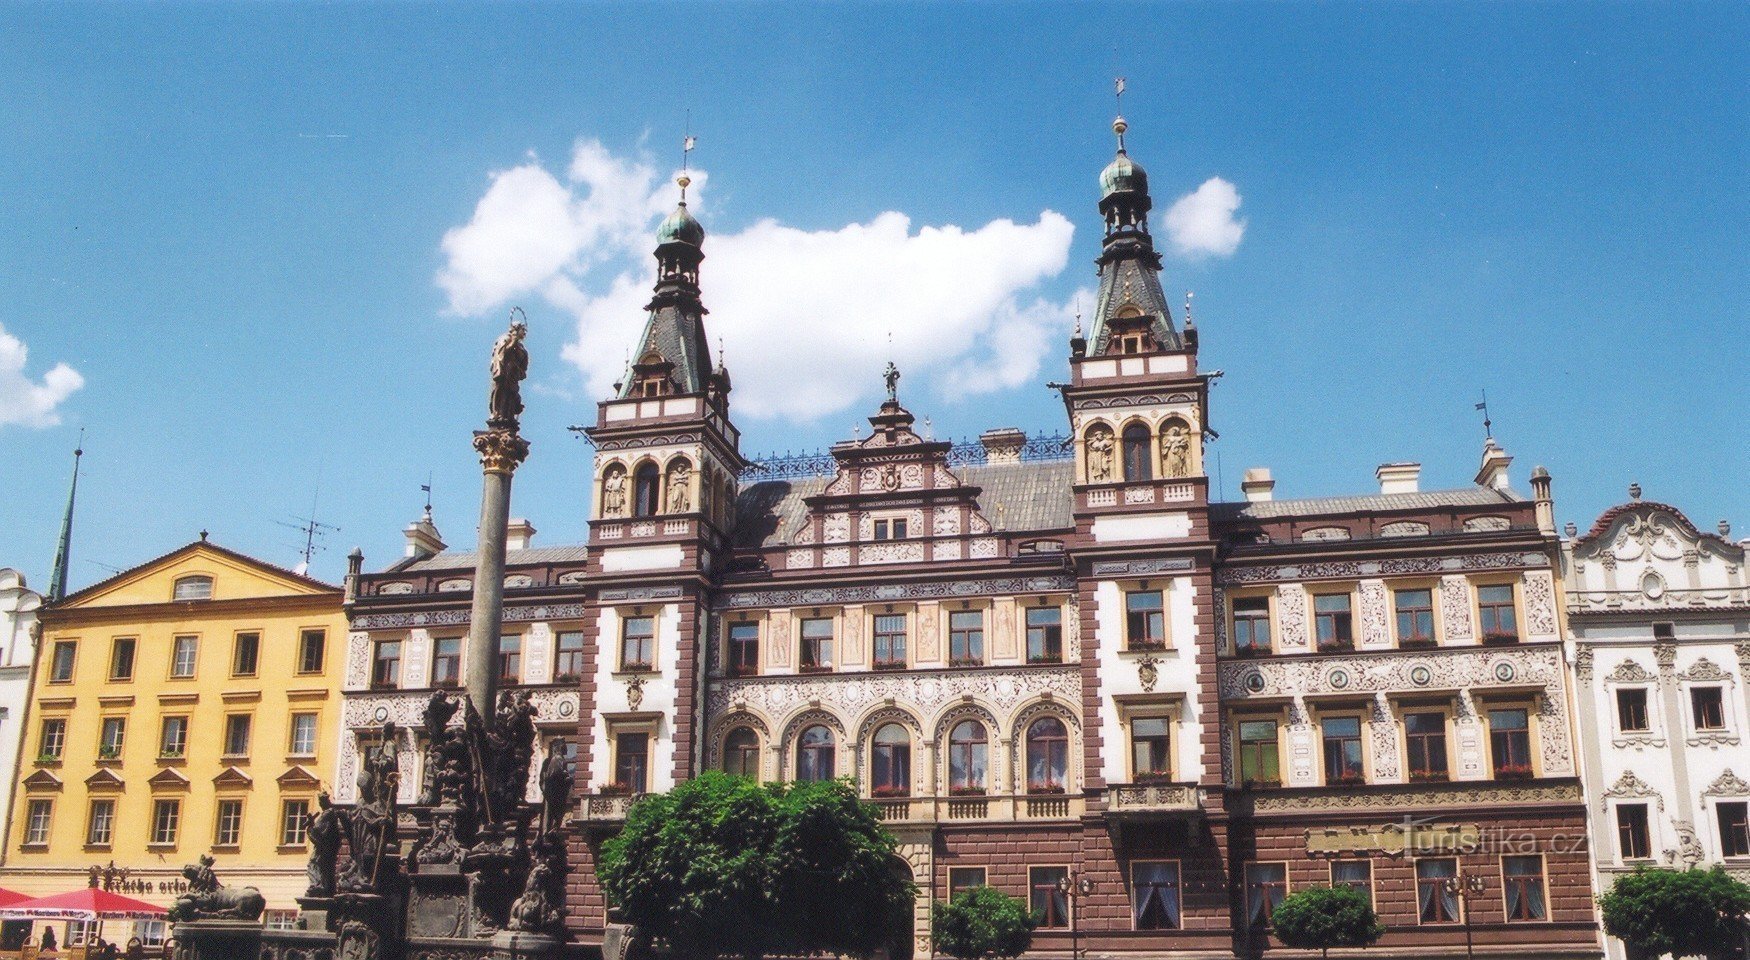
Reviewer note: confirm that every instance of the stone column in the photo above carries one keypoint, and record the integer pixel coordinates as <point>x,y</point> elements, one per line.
<point>501,449</point>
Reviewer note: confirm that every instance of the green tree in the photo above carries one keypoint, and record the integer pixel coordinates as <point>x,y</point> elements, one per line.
<point>1319,918</point>
<point>724,866</point>
<point>982,922</point>
<point>1684,913</point>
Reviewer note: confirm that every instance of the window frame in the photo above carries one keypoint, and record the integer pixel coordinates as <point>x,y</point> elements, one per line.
<point>569,664</point>
<point>1415,640</point>
<point>1416,872</point>
<point>1055,898</point>
<point>1508,881</point>
<point>396,675</point>
<point>890,763</point>
<point>1646,710</point>
<point>970,638</point>
<point>292,723</point>
<point>744,752</point>
<point>39,821</point>
<point>1163,743</point>
<point>1738,833</point>
<point>181,644</point>
<point>1443,775</point>
<point>510,659</point>
<point>646,644</point>
<point>1366,862</point>
<point>971,750</point>
<point>743,651</point>
<point>183,722</point>
<point>71,650</point>
<point>1147,619</point>
<point>1051,744</point>
<point>1050,634</point>
<point>115,654</point>
<point>1624,831</point>
<point>891,528</point>
<point>618,742</point>
<point>59,725</point>
<point>830,748</point>
<point>1136,452</point>
<point>106,749</point>
<point>233,723</point>
<point>1176,885</point>
<point>1498,771</point>
<point>1342,622</point>
<point>441,659</point>
<point>223,806</point>
<point>92,841</point>
<point>890,638</point>
<point>239,647</point>
<point>1241,742</point>
<point>1498,636</point>
<point>1346,778</point>
<point>294,832</point>
<point>1261,920</point>
<point>193,579</point>
<point>304,647</point>
<point>957,888</point>
<point>155,828</point>
<point>1250,620</point>
<point>808,650</point>
<point>1717,693</point>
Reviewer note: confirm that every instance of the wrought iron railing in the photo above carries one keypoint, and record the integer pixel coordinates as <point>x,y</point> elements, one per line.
<point>964,453</point>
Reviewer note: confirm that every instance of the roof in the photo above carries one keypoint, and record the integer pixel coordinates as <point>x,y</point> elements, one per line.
<point>1014,497</point>
<point>1476,496</point>
<point>467,559</point>
<point>1608,518</point>
<point>139,569</point>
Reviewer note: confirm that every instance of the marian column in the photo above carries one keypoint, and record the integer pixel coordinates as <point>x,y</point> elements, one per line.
<point>501,449</point>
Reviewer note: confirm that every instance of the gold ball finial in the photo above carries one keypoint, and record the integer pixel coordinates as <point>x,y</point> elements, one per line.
<point>1119,126</point>
<point>684,180</point>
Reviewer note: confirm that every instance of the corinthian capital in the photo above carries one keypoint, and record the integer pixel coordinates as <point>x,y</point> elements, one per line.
<point>500,450</point>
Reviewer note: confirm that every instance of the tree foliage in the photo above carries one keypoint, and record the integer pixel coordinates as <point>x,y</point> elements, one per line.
<point>1319,918</point>
<point>1680,912</point>
<point>724,866</point>
<point>982,922</point>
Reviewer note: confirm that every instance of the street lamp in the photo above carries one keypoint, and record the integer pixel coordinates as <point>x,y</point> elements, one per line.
<point>1073,889</point>
<point>1465,886</point>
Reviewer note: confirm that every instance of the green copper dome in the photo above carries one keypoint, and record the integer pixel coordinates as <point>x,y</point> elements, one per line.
<point>680,226</point>
<point>1123,175</point>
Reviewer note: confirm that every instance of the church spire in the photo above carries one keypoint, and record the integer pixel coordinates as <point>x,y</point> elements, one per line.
<point>1130,315</point>
<point>58,578</point>
<point>674,357</point>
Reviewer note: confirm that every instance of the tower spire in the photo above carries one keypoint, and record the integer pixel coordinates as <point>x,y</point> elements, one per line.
<point>63,549</point>
<point>1131,312</point>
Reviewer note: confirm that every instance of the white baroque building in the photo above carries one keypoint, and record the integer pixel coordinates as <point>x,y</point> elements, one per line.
<point>18,607</point>
<point>1659,613</point>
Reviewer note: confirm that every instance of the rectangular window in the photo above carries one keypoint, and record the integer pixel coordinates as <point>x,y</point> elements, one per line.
<point>744,649</point>
<point>446,662</point>
<point>37,821</point>
<point>1354,874</point>
<point>1048,900</point>
<point>1045,635</point>
<point>1148,749</point>
<point>962,879</point>
<point>1259,754</point>
<point>890,641</point>
<point>192,588</point>
<point>817,645</point>
<point>183,651</point>
<point>637,643</point>
<point>1335,620</point>
<point>1709,705</point>
<point>173,738</point>
<point>1495,608</point>
<point>1510,743</point>
<point>151,932</point>
<point>1664,630</point>
<point>166,821</point>
<point>1415,610</point>
<point>1734,828</point>
<point>1524,888</point>
<point>303,740</point>
<point>1436,890</point>
<point>1266,888</point>
<point>632,761</point>
<point>1631,710</point>
<point>53,740</point>
<point>510,658</point>
<point>293,823</point>
<point>312,650</point>
<point>82,933</point>
<point>237,735</point>
<point>61,665</point>
<point>386,665</point>
<point>245,651</point>
<point>1425,742</point>
<point>1342,743</point>
<point>228,827</point>
<point>1634,840</point>
<point>568,667</point>
<point>966,638</point>
<point>280,919</point>
<point>121,658</point>
<point>110,738</point>
<point>1251,626</point>
<point>890,529</point>
<point>1154,895</point>
<point>100,827</point>
<point>1145,620</point>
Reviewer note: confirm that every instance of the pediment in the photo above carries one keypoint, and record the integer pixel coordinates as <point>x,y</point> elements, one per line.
<point>168,779</point>
<point>42,780</point>
<point>235,575</point>
<point>105,779</point>
<point>298,777</point>
<point>233,778</point>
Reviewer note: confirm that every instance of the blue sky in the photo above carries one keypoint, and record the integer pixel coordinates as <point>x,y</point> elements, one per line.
<point>230,221</point>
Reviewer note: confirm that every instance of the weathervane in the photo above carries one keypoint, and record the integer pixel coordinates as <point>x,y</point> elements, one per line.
<point>1118,125</point>
<point>1189,323</point>
<point>1488,427</point>
<point>688,141</point>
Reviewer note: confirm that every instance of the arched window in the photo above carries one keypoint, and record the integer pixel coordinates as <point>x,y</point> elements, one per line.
<point>741,753</point>
<point>195,587</point>
<point>645,484</point>
<point>892,762</point>
<point>1047,756</point>
<point>814,754</point>
<point>1136,453</point>
<point>968,759</point>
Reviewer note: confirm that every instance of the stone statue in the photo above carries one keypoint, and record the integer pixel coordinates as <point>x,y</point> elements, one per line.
<point>678,494</point>
<point>614,493</point>
<point>207,899</point>
<point>373,817</point>
<point>534,910</point>
<point>892,378</point>
<point>324,829</point>
<point>1100,456</point>
<point>556,783</point>
<point>510,364</point>
<point>1176,452</point>
<point>1689,849</point>
<point>438,711</point>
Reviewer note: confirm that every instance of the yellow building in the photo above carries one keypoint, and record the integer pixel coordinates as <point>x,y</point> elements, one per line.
<point>188,706</point>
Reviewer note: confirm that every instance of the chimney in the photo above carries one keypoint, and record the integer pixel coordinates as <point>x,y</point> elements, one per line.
<point>518,533</point>
<point>355,563</point>
<point>1544,504</point>
<point>1002,445</point>
<point>1398,477</point>
<point>423,539</point>
<point>1257,485</point>
<point>1494,470</point>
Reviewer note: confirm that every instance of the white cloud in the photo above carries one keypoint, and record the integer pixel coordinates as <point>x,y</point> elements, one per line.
<point>23,401</point>
<point>1202,222</point>
<point>805,315</point>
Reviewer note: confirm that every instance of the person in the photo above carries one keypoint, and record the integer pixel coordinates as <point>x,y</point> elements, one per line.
<point>136,949</point>
<point>48,941</point>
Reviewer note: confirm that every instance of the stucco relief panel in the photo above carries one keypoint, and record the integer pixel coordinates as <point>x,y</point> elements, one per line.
<point>1455,608</point>
<point>1291,612</point>
<point>1374,605</point>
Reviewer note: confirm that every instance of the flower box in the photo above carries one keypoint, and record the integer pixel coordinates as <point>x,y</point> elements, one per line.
<point>1431,776</point>
<point>1417,643</point>
<point>965,662</point>
<point>1500,639</point>
<point>1261,784</point>
<point>568,678</point>
<point>1336,646</point>
<point>615,790</point>
<point>888,665</point>
<point>1251,650</point>
<point>966,791</point>
<point>1141,645</point>
<point>1035,789</point>
<point>1350,780</point>
<point>890,793</point>
<point>816,668</point>
<point>1039,660</point>
<point>1513,773</point>
<point>1155,776</point>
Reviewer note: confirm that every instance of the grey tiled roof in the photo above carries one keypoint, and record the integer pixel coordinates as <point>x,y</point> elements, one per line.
<point>465,559</point>
<point>1367,503</point>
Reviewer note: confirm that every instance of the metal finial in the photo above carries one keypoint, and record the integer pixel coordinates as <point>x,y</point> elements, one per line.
<point>1634,491</point>
<point>426,487</point>
<point>688,141</point>
<point>1078,316</point>
<point>1488,425</point>
<point>1189,323</point>
<point>1118,125</point>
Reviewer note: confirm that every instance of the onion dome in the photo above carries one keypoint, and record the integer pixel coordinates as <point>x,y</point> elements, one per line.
<point>680,226</point>
<point>1122,175</point>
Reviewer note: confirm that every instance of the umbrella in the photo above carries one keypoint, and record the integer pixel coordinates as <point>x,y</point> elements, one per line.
<point>89,903</point>
<point>8,897</point>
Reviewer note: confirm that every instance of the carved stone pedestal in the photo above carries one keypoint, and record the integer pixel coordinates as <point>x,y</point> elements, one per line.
<point>218,939</point>
<point>313,912</point>
<point>521,945</point>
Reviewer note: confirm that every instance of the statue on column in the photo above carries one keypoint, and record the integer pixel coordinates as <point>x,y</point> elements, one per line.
<point>323,829</point>
<point>373,817</point>
<point>510,364</point>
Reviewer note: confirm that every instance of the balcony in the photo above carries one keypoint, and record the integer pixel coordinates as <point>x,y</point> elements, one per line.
<point>974,807</point>
<point>1147,800</point>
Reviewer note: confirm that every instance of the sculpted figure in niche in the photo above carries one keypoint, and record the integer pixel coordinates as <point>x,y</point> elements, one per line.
<point>679,497</point>
<point>1176,450</point>
<point>1100,455</point>
<point>614,492</point>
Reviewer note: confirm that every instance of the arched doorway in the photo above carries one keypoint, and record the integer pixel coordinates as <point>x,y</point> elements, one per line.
<point>900,945</point>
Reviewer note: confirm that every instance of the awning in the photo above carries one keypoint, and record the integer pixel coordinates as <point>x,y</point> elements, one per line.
<point>9,897</point>
<point>89,903</point>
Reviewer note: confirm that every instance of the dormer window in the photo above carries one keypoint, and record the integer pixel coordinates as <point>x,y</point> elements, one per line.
<point>653,387</point>
<point>198,587</point>
<point>892,528</point>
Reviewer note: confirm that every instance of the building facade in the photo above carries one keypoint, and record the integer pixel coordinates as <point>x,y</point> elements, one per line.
<point>1059,669</point>
<point>18,616</point>
<point>188,706</point>
<point>1659,613</point>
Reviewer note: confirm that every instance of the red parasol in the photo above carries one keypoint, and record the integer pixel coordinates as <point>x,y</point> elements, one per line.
<point>89,903</point>
<point>8,897</point>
